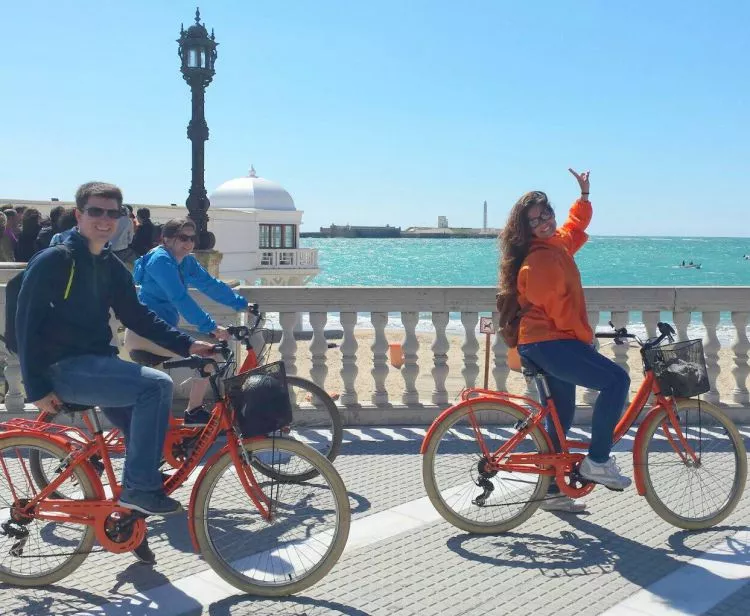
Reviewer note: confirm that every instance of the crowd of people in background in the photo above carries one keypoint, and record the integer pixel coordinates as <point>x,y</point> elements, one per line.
<point>24,232</point>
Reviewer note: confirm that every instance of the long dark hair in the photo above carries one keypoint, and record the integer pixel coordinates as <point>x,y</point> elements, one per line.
<point>515,239</point>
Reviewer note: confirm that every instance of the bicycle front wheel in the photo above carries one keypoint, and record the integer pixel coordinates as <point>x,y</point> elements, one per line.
<point>38,552</point>
<point>316,421</point>
<point>303,538</point>
<point>697,486</point>
<point>458,482</point>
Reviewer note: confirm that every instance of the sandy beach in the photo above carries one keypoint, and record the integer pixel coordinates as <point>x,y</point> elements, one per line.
<point>455,381</point>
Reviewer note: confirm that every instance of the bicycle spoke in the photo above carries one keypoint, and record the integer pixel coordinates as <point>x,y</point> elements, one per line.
<point>461,481</point>
<point>290,546</point>
<point>34,551</point>
<point>697,480</point>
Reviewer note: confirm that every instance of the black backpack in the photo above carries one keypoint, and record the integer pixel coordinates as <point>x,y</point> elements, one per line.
<point>13,288</point>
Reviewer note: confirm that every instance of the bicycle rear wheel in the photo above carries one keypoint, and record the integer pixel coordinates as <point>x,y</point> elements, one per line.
<point>454,465</point>
<point>38,552</point>
<point>316,422</point>
<point>694,494</point>
<point>297,546</point>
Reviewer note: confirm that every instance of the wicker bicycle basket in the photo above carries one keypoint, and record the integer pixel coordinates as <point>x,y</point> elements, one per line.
<point>680,368</point>
<point>260,399</point>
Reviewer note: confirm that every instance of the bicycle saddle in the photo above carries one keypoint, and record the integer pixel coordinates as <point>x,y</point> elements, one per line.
<point>529,368</point>
<point>144,358</point>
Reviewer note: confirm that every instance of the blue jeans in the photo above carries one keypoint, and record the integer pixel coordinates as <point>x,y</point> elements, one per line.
<point>136,399</point>
<point>569,363</point>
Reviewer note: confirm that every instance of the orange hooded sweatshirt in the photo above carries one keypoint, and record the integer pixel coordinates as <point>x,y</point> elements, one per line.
<point>549,284</point>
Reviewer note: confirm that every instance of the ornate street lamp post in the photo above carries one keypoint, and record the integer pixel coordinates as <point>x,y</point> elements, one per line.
<point>197,51</point>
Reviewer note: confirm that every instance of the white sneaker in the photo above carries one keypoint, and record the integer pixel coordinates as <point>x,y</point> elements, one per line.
<point>606,473</point>
<point>562,502</point>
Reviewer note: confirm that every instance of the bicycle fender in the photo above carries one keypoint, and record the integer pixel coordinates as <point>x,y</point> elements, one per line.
<point>457,407</point>
<point>638,459</point>
<point>196,486</point>
<point>66,445</point>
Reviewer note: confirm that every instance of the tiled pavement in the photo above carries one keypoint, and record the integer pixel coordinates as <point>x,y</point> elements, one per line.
<point>553,564</point>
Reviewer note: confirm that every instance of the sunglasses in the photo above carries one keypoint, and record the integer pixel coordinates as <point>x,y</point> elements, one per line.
<point>185,238</point>
<point>98,212</point>
<point>544,216</point>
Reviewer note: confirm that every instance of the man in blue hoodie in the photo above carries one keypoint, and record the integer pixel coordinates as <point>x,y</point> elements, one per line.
<point>65,350</point>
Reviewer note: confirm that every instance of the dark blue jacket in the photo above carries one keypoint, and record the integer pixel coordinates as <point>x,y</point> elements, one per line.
<point>51,327</point>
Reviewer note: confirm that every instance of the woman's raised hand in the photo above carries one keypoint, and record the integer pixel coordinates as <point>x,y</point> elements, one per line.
<point>583,181</point>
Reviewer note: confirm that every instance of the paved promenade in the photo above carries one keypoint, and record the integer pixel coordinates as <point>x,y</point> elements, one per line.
<point>619,559</point>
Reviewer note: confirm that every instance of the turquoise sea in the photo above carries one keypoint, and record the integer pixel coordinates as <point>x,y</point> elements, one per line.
<point>603,261</point>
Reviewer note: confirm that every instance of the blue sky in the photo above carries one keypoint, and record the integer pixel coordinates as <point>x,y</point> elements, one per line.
<point>396,111</point>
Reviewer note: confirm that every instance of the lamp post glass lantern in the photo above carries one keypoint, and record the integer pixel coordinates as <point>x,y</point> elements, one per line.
<point>197,51</point>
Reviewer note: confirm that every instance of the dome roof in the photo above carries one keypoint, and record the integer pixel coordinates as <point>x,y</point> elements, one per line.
<point>252,192</point>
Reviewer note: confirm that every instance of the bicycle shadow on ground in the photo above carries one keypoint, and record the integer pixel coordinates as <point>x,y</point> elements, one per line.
<point>592,550</point>
<point>288,606</point>
<point>175,532</point>
<point>52,599</point>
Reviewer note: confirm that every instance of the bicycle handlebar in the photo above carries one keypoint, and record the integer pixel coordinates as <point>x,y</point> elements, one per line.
<point>665,331</point>
<point>194,361</point>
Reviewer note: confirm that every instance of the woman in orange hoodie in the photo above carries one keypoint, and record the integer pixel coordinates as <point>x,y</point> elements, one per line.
<point>554,333</point>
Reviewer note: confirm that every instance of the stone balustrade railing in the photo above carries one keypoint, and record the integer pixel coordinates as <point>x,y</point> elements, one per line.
<point>443,351</point>
<point>288,258</point>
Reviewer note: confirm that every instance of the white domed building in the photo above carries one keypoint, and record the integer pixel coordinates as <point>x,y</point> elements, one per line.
<point>257,230</point>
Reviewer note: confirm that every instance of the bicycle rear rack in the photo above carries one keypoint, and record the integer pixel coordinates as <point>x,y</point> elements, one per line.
<point>70,433</point>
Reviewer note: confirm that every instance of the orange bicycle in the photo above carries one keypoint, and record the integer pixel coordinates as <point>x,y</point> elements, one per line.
<point>316,419</point>
<point>488,460</point>
<point>262,535</point>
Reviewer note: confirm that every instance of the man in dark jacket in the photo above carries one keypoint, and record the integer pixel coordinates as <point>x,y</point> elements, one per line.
<point>143,239</point>
<point>65,350</point>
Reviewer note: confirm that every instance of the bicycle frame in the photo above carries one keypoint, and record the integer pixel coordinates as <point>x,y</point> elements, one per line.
<point>95,513</point>
<point>559,465</point>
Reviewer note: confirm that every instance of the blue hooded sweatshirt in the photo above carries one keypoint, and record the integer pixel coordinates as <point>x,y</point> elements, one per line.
<point>164,288</point>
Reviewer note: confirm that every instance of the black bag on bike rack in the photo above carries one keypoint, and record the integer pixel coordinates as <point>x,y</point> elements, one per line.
<point>260,399</point>
<point>680,368</point>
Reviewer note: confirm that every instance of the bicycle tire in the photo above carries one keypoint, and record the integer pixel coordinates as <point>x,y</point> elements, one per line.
<point>75,557</point>
<point>330,409</point>
<point>656,498</point>
<point>209,546</point>
<point>431,482</point>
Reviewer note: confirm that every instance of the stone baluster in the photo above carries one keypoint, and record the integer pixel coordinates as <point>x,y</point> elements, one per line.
<point>711,347</point>
<point>379,358</point>
<point>740,347</point>
<point>470,348</point>
<point>318,348</point>
<point>499,352</point>
<point>650,319</point>
<point>440,348</point>
<point>349,368</point>
<point>288,344</point>
<point>410,370</point>
<point>620,319</point>
<point>14,398</point>
<point>681,322</point>
<point>589,395</point>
